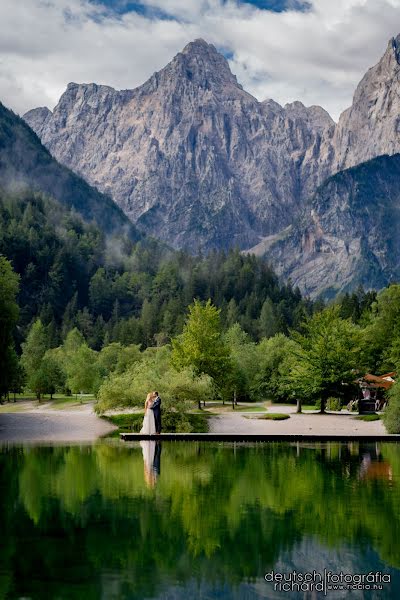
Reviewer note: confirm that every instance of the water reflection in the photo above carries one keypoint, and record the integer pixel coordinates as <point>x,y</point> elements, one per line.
<point>151,451</point>
<point>107,521</point>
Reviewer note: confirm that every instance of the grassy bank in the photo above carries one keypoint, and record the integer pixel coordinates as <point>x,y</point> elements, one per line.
<point>171,424</point>
<point>372,417</point>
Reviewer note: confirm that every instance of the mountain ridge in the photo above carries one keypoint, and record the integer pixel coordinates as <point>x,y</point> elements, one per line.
<point>189,142</point>
<point>347,234</point>
<point>195,160</point>
<point>26,163</point>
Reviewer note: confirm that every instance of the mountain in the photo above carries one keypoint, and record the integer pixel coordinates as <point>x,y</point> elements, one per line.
<point>371,126</point>
<point>26,164</point>
<point>195,160</point>
<point>190,156</point>
<point>347,235</point>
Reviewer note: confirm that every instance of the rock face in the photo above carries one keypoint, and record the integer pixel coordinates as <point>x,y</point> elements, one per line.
<point>371,126</point>
<point>190,156</point>
<point>347,235</point>
<point>195,160</point>
<point>26,163</point>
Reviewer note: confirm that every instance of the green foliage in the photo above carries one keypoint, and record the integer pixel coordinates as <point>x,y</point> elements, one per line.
<point>26,162</point>
<point>209,505</point>
<point>126,421</point>
<point>269,325</point>
<point>382,334</point>
<point>201,346</point>
<point>275,417</point>
<point>334,404</point>
<point>391,415</point>
<point>274,356</point>
<point>178,389</point>
<point>173,422</point>
<point>33,351</point>
<point>49,378</point>
<point>9,285</point>
<point>115,291</point>
<point>244,364</point>
<point>82,370</point>
<point>356,306</point>
<point>368,417</point>
<point>326,359</point>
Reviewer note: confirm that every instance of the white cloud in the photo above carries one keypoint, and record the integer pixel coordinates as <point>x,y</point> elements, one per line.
<point>316,56</point>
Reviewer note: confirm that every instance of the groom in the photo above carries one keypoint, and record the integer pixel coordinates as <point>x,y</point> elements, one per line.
<point>156,408</point>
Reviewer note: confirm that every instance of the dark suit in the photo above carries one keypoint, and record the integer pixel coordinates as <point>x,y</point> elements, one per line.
<point>157,459</point>
<point>156,408</point>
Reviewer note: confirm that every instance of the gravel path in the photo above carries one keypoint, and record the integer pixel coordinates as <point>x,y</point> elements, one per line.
<point>81,424</point>
<point>53,426</point>
<point>306,423</point>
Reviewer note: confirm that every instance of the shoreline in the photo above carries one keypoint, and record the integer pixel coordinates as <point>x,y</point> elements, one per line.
<point>33,423</point>
<point>52,425</point>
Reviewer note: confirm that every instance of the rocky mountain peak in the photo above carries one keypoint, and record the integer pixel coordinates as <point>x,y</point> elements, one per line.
<point>202,64</point>
<point>198,46</point>
<point>37,118</point>
<point>195,160</point>
<point>371,126</point>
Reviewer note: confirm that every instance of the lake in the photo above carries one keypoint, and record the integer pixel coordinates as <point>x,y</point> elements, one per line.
<point>182,520</point>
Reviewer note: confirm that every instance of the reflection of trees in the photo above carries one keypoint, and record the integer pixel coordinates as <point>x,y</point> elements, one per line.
<point>215,512</point>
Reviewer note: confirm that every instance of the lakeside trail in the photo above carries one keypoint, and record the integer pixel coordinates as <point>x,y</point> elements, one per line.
<point>343,423</point>
<point>29,422</point>
<point>44,424</point>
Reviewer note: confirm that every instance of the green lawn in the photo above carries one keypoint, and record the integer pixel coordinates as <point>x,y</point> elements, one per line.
<point>58,402</point>
<point>133,422</point>
<point>372,417</point>
<point>275,416</point>
<point>242,408</point>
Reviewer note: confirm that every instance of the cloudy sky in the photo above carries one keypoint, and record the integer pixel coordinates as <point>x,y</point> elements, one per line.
<point>315,51</point>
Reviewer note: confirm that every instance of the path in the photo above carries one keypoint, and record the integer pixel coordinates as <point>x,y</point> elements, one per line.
<point>305,423</point>
<point>49,425</point>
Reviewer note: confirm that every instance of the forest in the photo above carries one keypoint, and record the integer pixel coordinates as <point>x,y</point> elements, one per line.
<point>82,312</point>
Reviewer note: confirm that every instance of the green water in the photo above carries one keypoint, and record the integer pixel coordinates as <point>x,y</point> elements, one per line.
<point>205,521</point>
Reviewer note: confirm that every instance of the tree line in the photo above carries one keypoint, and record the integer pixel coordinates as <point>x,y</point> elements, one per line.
<point>85,313</point>
<point>114,290</point>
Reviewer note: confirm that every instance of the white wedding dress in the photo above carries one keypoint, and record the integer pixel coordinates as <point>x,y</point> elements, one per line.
<point>149,424</point>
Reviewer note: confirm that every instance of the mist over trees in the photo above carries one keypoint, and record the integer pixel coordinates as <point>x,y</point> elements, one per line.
<point>85,313</point>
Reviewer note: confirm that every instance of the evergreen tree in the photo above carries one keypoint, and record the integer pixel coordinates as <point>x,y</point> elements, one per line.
<point>9,285</point>
<point>268,319</point>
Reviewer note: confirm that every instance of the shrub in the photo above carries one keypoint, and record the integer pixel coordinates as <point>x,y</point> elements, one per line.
<point>369,417</point>
<point>391,416</point>
<point>334,404</point>
<point>172,422</point>
<point>178,389</point>
<point>275,417</point>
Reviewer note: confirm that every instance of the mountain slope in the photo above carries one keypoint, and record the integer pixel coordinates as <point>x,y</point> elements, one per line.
<point>26,163</point>
<point>347,235</point>
<point>190,156</point>
<point>195,160</point>
<point>371,126</point>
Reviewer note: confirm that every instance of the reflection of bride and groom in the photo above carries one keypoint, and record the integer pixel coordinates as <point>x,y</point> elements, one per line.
<point>151,450</point>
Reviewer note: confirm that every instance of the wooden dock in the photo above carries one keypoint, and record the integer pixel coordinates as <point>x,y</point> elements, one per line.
<point>253,437</point>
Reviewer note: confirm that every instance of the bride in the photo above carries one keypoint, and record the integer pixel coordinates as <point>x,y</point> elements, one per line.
<point>149,424</point>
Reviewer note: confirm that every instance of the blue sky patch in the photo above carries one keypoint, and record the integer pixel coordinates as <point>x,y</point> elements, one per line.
<point>279,5</point>
<point>122,7</point>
